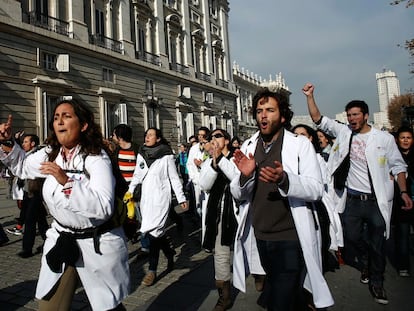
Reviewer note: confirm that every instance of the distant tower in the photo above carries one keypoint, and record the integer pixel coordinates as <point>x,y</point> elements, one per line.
<point>388,86</point>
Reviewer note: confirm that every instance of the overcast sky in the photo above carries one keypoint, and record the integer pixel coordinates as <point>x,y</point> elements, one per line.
<point>338,45</point>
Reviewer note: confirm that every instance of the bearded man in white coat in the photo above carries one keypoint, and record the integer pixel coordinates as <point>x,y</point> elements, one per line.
<point>279,174</point>
<point>360,166</point>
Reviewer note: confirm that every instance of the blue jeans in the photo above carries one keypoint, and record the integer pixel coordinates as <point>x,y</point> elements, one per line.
<point>364,236</point>
<point>285,270</point>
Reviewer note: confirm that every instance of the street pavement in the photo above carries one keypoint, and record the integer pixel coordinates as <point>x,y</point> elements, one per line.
<point>189,287</point>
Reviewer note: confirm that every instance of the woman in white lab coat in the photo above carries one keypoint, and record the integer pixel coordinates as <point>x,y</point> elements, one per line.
<point>78,190</point>
<point>157,173</point>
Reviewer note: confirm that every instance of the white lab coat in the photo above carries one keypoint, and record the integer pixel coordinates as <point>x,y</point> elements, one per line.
<point>157,181</point>
<point>383,159</point>
<point>335,225</point>
<point>201,197</point>
<point>105,277</point>
<point>305,184</point>
<point>193,170</point>
<point>208,176</point>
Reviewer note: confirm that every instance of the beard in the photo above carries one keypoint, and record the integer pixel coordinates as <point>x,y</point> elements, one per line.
<point>272,133</point>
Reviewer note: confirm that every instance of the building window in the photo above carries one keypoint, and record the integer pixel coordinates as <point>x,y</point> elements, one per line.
<point>213,8</point>
<point>99,22</point>
<point>108,75</point>
<point>141,39</point>
<point>49,61</point>
<point>185,125</point>
<point>152,114</point>
<point>149,87</point>
<point>114,114</point>
<point>49,102</point>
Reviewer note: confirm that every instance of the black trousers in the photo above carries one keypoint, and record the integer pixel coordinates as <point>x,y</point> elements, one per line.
<point>157,244</point>
<point>35,214</point>
<point>285,272</point>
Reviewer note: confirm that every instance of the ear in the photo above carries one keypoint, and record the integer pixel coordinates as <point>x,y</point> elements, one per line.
<point>158,140</point>
<point>84,127</point>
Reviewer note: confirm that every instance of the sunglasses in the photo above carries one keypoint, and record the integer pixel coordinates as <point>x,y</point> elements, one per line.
<point>217,135</point>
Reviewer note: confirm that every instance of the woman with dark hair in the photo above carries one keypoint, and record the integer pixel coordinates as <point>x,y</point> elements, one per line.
<point>82,242</point>
<point>325,142</point>
<point>221,224</point>
<point>310,133</point>
<point>326,215</point>
<point>157,173</point>
<point>235,143</point>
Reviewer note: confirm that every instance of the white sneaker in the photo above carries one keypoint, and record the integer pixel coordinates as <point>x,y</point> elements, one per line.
<point>15,231</point>
<point>404,273</point>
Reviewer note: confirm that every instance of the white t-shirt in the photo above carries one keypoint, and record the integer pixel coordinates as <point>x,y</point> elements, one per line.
<point>358,173</point>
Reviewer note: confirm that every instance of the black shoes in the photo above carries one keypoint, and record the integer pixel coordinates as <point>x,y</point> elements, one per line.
<point>364,277</point>
<point>25,254</point>
<point>170,264</point>
<point>39,249</point>
<point>378,292</point>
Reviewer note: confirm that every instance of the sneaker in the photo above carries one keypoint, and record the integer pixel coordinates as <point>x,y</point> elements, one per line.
<point>148,279</point>
<point>404,273</point>
<point>15,231</point>
<point>364,277</point>
<point>378,292</point>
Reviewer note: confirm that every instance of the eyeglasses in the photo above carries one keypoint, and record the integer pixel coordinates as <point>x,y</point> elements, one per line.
<point>217,135</point>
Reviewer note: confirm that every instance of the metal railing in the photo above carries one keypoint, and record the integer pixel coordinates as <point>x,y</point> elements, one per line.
<point>105,42</point>
<point>203,76</point>
<point>180,68</point>
<point>46,22</point>
<point>222,83</point>
<point>148,57</point>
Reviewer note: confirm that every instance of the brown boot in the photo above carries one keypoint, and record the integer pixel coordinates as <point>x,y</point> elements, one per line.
<point>259,281</point>
<point>224,301</point>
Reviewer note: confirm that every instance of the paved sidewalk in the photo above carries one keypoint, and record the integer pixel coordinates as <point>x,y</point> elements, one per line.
<point>189,287</point>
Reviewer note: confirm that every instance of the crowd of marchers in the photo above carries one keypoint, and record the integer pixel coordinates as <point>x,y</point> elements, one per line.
<point>286,205</point>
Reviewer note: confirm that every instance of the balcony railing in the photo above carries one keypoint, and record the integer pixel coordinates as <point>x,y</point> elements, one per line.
<point>180,68</point>
<point>105,42</point>
<point>148,57</point>
<point>46,22</point>
<point>203,76</point>
<point>222,83</point>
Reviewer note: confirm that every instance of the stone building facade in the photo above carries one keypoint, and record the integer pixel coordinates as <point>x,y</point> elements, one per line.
<point>163,63</point>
